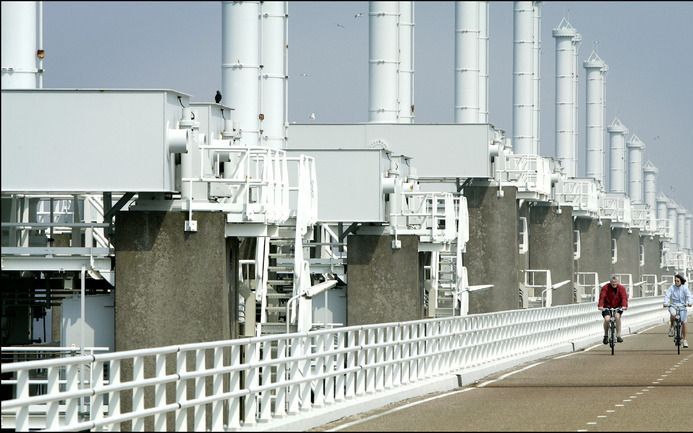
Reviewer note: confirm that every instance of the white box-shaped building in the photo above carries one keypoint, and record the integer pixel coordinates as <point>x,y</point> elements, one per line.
<point>91,140</point>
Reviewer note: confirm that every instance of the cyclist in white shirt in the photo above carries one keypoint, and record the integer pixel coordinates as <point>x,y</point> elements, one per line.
<point>678,294</point>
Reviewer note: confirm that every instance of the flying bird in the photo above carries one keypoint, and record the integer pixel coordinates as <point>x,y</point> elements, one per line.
<point>217,97</point>
<point>359,14</point>
<point>303,74</point>
<point>340,25</point>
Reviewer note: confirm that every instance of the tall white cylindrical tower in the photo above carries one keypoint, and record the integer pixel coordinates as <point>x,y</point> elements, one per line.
<point>467,62</point>
<point>689,227</point>
<point>406,62</point>
<point>577,40</point>
<point>650,185</point>
<point>635,187</point>
<point>383,63</point>
<point>662,212</point>
<point>536,81</point>
<point>19,45</point>
<point>673,213</point>
<point>483,60</point>
<point>595,71</point>
<point>523,71</point>
<point>240,64</point>
<point>565,68</point>
<point>681,227</point>
<point>274,74</point>
<point>617,156</point>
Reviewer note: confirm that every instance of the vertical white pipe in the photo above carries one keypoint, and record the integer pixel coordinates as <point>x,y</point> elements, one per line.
<point>40,53</point>
<point>406,62</point>
<point>19,45</point>
<point>383,61</point>
<point>467,62</point>
<point>536,127</point>
<point>595,68</point>
<point>689,226</point>
<point>673,220</point>
<point>240,58</point>
<point>650,184</point>
<point>483,60</point>
<point>565,112</point>
<point>635,187</point>
<point>576,73</point>
<point>523,67</point>
<point>681,227</point>
<point>662,210</point>
<point>617,157</point>
<point>273,76</point>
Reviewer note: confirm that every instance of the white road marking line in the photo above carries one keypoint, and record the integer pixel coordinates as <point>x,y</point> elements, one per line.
<point>592,423</point>
<point>618,405</point>
<point>610,410</point>
<point>601,416</point>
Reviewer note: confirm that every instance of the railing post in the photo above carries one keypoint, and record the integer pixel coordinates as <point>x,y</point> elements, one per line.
<point>199,409</point>
<point>72,385</point>
<point>389,356</point>
<point>138,392</point>
<point>341,379</point>
<point>280,399</point>
<point>114,397</point>
<point>329,368</point>
<point>265,401</point>
<point>234,421</point>
<point>52,415</point>
<point>361,361</point>
<point>251,381</point>
<point>22,421</point>
<point>160,392</point>
<point>181,391</point>
<point>96,406</point>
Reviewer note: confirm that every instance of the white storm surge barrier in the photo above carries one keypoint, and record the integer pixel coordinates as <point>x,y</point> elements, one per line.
<point>617,157</point>
<point>274,28</point>
<point>565,102</point>
<point>467,71</point>
<point>406,62</point>
<point>523,71</point>
<point>240,63</point>
<point>635,169</point>
<point>595,100</point>
<point>20,45</point>
<point>383,62</point>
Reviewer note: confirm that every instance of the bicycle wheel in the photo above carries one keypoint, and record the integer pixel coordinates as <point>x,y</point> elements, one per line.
<point>612,335</point>
<point>677,337</point>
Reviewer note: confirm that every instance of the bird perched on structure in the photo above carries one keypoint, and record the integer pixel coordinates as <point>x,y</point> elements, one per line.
<point>217,97</point>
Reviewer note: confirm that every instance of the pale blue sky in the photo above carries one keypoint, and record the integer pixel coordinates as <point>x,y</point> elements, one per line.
<point>177,45</point>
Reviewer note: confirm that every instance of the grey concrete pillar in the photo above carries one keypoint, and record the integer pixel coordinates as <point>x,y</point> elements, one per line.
<point>628,256</point>
<point>595,247</point>
<point>551,247</point>
<point>492,249</point>
<point>384,283</point>
<point>653,256</point>
<point>172,287</point>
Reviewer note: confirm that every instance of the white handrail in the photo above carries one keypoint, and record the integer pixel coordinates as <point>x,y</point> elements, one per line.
<point>301,371</point>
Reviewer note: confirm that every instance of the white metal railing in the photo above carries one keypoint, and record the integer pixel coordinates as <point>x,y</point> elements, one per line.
<point>663,228</point>
<point>261,382</point>
<point>643,218</point>
<point>650,286</point>
<point>429,214</point>
<point>530,173</point>
<point>617,208</point>
<point>580,194</point>
<point>258,185</point>
<point>586,287</point>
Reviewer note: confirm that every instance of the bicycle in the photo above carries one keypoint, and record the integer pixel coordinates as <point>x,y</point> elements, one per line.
<point>677,326</point>
<point>612,327</point>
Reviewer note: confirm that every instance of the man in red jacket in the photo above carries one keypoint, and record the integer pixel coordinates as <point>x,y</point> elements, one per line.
<point>613,295</point>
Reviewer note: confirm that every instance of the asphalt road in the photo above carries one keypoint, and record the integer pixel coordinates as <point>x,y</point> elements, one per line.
<point>645,386</point>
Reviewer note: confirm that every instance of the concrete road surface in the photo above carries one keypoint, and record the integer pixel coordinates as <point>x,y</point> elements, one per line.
<point>645,386</point>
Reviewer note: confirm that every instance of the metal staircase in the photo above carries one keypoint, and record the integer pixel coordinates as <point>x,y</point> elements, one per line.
<point>447,304</point>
